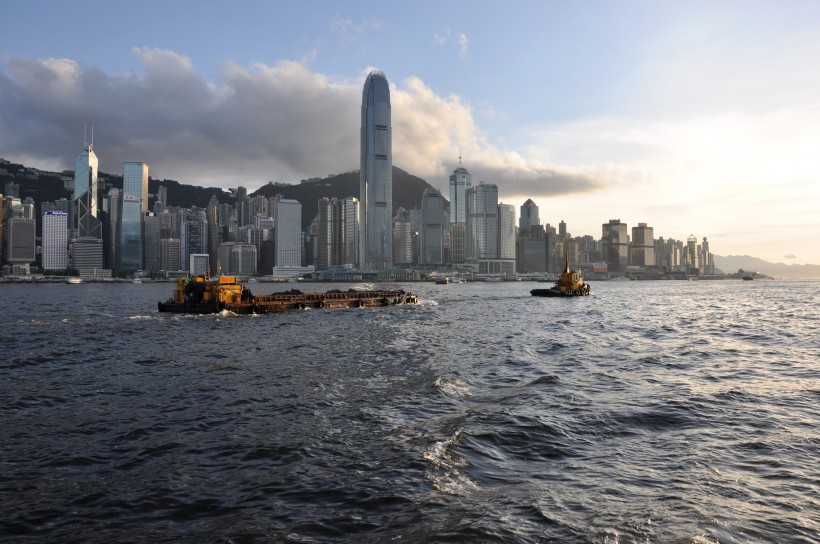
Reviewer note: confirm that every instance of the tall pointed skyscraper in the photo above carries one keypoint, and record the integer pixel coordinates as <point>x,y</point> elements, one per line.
<point>85,194</point>
<point>376,181</point>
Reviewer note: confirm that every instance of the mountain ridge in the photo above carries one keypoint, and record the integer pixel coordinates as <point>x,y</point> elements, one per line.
<point>45,186</point>
<point>732,263</point>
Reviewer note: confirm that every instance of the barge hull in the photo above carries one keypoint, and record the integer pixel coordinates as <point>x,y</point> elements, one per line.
<point>282,302</point>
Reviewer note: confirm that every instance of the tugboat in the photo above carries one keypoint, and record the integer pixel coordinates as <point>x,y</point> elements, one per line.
<point>571,284</point>
<point>206,295</point>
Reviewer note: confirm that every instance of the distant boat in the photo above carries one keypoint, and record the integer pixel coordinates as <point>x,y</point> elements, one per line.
<point>74,280</point>
<point>571,284</point>
<point>443,281</point>
<point>136,280</point>
<point>748,277</point>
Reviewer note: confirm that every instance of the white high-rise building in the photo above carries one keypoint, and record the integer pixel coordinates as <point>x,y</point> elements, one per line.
<point>376,176</point>
<point>55,241</point>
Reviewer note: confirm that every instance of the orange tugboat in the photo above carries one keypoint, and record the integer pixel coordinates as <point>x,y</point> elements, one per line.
<point>205,295</point>
<point>571,284</point>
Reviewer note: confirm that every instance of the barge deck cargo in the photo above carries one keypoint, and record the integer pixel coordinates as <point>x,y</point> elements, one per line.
<point>204,295</point>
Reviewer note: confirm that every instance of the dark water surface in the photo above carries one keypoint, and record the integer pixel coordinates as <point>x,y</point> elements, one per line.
<point>649,412</point>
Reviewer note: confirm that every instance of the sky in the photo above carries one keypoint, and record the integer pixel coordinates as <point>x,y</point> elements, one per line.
<point>695,117</point>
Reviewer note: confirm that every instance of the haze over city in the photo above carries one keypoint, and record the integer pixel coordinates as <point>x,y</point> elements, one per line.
<point>697,119</point>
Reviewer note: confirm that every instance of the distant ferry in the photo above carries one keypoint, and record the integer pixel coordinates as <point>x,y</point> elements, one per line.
<point>74,280</point>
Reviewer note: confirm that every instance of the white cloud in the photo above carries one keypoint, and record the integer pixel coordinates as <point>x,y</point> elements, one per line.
<point>463,42</point>
<point>256,123</point>
<point>349,30</point>
<point>447,38</point>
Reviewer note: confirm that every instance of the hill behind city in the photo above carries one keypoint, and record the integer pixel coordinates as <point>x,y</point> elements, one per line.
<point>45,186</point>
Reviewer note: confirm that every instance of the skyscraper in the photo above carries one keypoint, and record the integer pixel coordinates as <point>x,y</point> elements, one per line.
<point>85,194</point>
<point>529,217</point>
<point>134,204</point>
<point>482,221</point>
<point>615,245</point>
<point>21,240</point>
<point>506,231</point>
<point>376,176</point>
<point>288,220</point>
<point>55,241</point>
<point>432,228</point>
<point>460,181</point>
<point>643,245</point>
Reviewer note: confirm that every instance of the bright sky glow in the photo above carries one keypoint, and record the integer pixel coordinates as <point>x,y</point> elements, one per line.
<point>697,118</point>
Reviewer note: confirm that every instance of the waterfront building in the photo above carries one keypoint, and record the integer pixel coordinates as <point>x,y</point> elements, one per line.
<point>21,240</point>
<point>336,240</point>
<point>243,259</point>
<point>193,233</point>
<point>288,233</point>
<point>402,239</point>
<point>151,238</point>
<point>482,221</point>
<point>86,187</point>
<point>200,264</point>
<point>133,203</point>
<point>376,176</point>
<point>55,241</point>
<point>432,228</point>
<point>615,245</point>
<point>506,232</point>
<point>86,254</point>
<point>169,249</point>
<point>458,242</point>
<point>349,213</point>
<point>643,246</point>
<point>87,248</point>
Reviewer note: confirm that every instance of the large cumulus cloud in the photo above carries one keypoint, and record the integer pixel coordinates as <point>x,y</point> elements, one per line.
<point>259,123</point>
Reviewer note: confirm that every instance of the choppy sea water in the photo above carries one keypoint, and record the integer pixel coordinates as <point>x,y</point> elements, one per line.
<point>649,412</point>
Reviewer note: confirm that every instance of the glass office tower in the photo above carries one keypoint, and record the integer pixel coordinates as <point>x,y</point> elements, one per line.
<point>134,203</point>
<point>85,194</point>
<point>376,181</point>
<point>460,181</point>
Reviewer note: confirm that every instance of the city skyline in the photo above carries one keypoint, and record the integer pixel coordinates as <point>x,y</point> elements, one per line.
<point>695,118</point>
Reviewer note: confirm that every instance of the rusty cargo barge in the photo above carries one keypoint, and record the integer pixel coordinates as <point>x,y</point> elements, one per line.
<point>204,295</point>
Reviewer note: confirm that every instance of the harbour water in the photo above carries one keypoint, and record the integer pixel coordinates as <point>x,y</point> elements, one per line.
<point>648,412</point>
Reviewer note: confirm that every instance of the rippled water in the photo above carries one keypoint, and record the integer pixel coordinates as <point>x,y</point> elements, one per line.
<point>648,412</point>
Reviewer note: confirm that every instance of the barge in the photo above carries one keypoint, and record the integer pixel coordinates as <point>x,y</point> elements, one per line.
<point>205,295</point>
